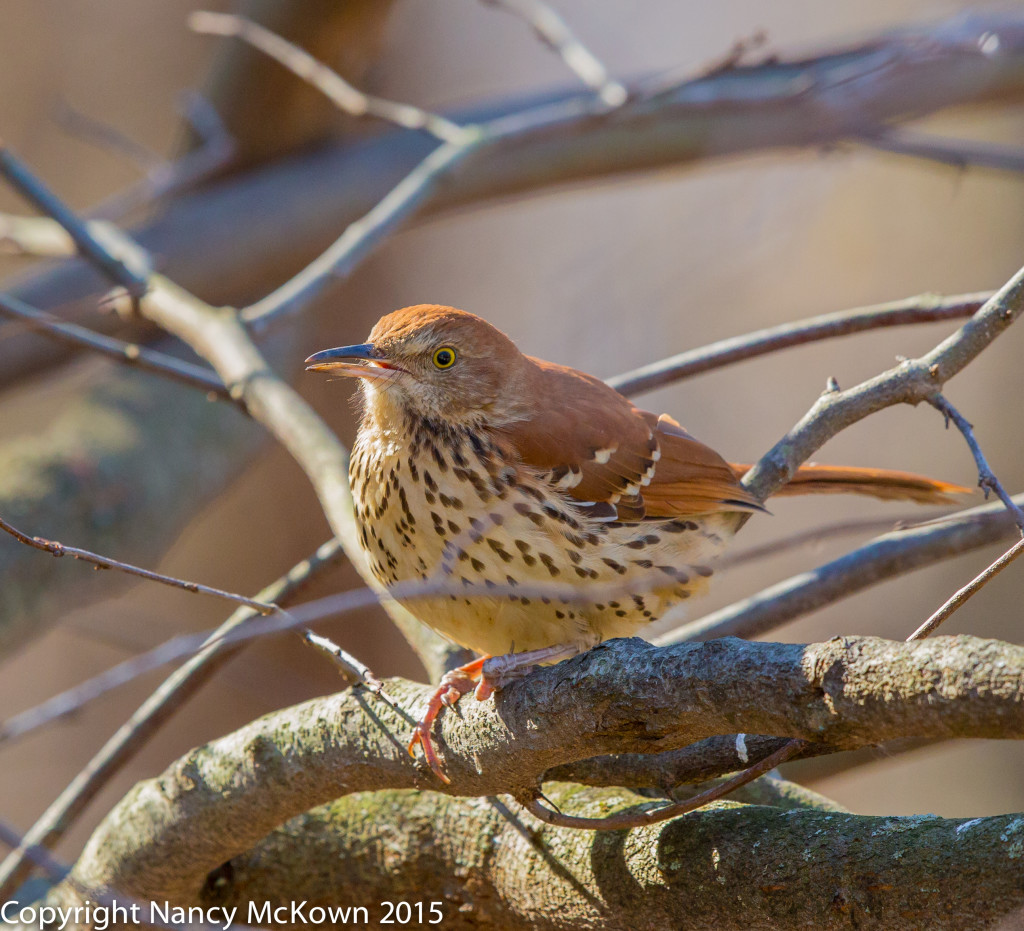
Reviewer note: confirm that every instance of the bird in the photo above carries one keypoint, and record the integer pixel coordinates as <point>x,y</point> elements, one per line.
<point>498,472</point>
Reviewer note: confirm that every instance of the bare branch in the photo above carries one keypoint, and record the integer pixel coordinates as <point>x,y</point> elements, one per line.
<point>216,150</point>
<point>814,101</point>
<point>623,696</point>
<point>730,867</point>
<point>879,560</point>
<point>925,308</point>
<point>214,652</point>
<point>912,381</point>
<point>104,136</point>
<point>987,480</point>
<point>554,32</point>
<point>815,535</point>
<point>117,268</point>
<point>353,671</point>
<point>957,153</point>
<point>105,562</point>
<point>968,591</point>
<point>148,360</point>
<point>331,84</point>
<point>641,817</point>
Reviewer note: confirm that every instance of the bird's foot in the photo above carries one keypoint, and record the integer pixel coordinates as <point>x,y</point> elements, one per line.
<point>498,671</point>
<point>453,686</point>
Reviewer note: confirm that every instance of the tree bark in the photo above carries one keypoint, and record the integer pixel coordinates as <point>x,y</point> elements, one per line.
<point>729,866</point>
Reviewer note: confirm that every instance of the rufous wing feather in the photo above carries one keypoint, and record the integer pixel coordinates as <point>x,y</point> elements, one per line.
<point>622,463</point>
<point>596,447</point>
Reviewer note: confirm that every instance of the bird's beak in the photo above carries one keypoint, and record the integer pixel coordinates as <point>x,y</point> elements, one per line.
<point>360,361</point>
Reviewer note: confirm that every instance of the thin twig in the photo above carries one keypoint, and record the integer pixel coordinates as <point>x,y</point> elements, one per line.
<point>960,597</point>
<point>814,535</point>
<point>331,84</point>
<point>987,479</point>
<point>104,136</point>
<point>128,353</point>
<point>554,32</point>
<point>957,153</point>
<point>352,669</point>
<point>116,268</point>
<point>184,682</point>
<point>879,560</point>
<point>216,150</point>
<point>105,562</point>
<point>634,818</point>
<point>925,308</point>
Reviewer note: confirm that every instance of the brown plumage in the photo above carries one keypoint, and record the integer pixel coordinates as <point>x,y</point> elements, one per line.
<point>507,470</point>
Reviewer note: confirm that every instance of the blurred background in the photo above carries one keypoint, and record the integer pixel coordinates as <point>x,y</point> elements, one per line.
<point>603,278</point>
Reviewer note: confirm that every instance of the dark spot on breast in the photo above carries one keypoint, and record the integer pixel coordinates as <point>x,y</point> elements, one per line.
<point>560,615</point>
<point>500,550</point>
<point>582,573</point>
<point>703,571</point>
<point>476,564</point>
<point>643,563</point>
<point>510,580</point>
<point>675,573</point>
<point>574,556</point>
<point>612,564</point>
<point>620,613</point>
<point>550,563</point>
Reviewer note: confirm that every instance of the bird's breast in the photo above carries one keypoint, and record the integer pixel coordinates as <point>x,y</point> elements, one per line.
<point>440,505</point>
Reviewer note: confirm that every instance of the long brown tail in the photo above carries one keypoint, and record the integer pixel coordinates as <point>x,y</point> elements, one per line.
<point>887,484</point>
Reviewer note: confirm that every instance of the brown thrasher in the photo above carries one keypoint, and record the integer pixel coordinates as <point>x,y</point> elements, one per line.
<point>507,470</point>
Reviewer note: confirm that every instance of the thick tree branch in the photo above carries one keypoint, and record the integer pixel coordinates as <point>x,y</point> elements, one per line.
<point>729,867</point>
<point>623,696</point>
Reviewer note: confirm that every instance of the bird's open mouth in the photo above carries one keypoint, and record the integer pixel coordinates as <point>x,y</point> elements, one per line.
<point>356,361</point>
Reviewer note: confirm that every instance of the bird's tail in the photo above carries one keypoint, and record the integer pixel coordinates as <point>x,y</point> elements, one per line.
<point>887,484</point>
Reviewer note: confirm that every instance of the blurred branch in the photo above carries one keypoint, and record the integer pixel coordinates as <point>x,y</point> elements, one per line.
<point>815,535</point>
<point>214,151</point>
<point>331,84</point>
<point>811,102</point>
<point>957,153</point>
<point>555,33</point>
<point>131,354</point>
<point>162,704</point>
<point>623,696</point>
<point>246,87</point>
<point>880,560</point>
<point>925,308</point>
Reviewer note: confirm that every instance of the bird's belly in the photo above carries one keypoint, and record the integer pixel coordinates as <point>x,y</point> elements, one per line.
<point>470,529</point>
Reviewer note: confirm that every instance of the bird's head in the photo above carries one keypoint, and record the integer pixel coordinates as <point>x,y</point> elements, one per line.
<point>435,362</point>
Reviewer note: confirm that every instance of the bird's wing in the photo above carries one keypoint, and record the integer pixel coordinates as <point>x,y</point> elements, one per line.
<point>621,463</point>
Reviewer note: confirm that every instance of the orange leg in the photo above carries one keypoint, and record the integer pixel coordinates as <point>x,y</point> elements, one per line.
<point>484,674</point>
<point>452,687</point>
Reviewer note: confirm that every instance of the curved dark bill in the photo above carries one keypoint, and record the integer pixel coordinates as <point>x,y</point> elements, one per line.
<point>361,361</point>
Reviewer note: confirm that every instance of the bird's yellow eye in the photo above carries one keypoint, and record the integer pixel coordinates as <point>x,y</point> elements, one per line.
<point>444,358</point>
